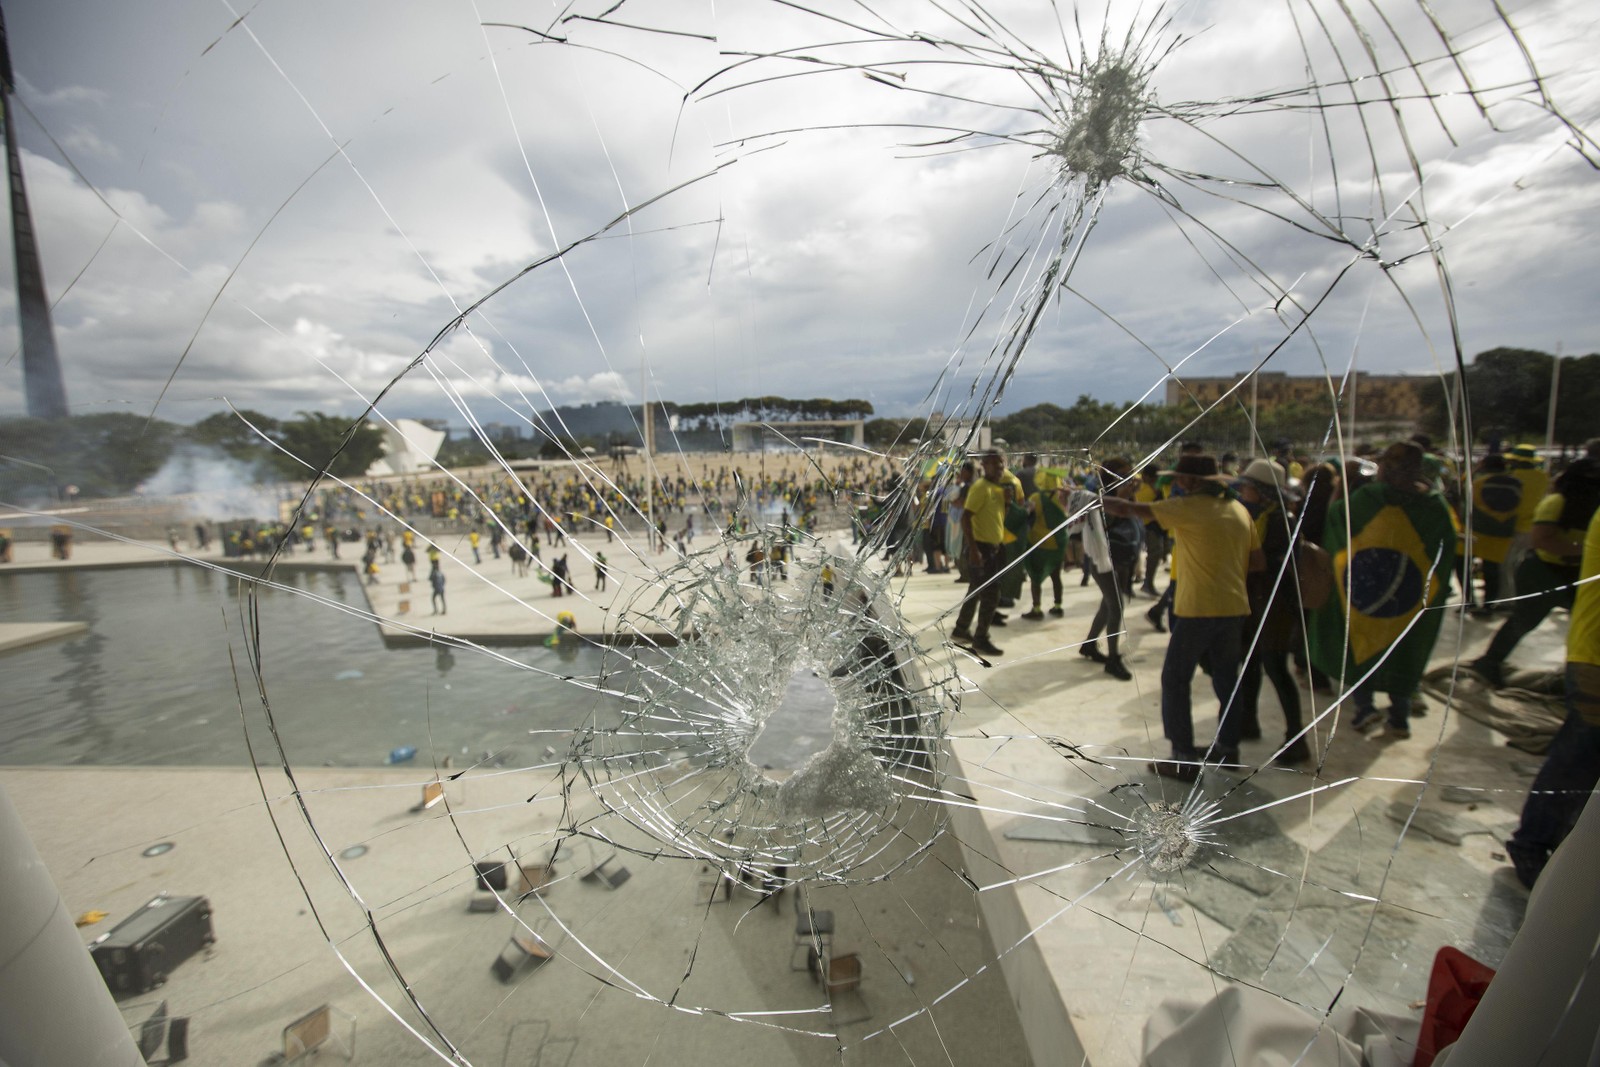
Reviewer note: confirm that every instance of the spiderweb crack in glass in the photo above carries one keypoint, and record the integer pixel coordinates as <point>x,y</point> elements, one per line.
<point>1170,837</point>
<point>745,646</point>
<point>1099,135</point>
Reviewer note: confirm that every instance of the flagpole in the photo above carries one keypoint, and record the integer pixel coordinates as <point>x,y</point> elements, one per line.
<point>1555,384</point>
<point>41,365</point>
<point>649,463</point>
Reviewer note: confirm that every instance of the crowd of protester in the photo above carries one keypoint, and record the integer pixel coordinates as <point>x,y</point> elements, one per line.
<point>1306,573</point>
<point>1275,565</point>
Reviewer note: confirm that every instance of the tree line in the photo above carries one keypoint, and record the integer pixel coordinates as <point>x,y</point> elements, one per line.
<point>1508,396</point>
<point>114,453</point>
<point>1507,389</point>
<point>721,415</point>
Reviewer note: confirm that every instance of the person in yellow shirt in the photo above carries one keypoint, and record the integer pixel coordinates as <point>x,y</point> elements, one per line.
<point>983,528</point>
<point>1546,575</point>
<point>1572,765</point>
<point>1523,463</point>
<point>1217,549</point>
<point>1496,503</point>
<point>1012,571</point>
<point>1155,538</point>
<point>1167,486</point>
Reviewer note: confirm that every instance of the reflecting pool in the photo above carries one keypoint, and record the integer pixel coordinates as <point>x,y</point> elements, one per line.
<point>161,674</point>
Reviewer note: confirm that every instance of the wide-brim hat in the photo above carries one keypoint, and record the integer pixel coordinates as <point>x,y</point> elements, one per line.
<point>1265,472</point>
<point>1200,466</point>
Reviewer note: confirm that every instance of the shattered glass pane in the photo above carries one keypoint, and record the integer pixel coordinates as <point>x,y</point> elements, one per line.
<point>747,795</point>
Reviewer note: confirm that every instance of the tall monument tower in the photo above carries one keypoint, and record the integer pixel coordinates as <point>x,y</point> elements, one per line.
<point>41,368</point>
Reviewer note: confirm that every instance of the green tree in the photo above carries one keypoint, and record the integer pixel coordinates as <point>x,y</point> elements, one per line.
<point>1578,400</point>
<point>902,433</point>
<point>332,442</point>
<point>104,454</point>
<point>1508,395</point>
<point>231,432</point>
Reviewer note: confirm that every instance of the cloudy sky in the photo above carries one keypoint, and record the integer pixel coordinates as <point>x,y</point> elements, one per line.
<point>282,205</point>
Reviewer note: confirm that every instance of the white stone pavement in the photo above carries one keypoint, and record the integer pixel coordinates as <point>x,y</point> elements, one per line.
<point>1086,959</point>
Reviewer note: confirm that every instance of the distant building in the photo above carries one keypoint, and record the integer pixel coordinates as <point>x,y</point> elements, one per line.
<point>1385,398</point>
<point>501,433</point>
<point>784,436</point>
<point>408,447</point>
<point>975,435</point>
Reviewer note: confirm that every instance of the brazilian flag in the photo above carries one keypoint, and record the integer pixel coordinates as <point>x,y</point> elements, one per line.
<point>1045,537</point>
<point>1496,500</point>
<point>1393,561</point>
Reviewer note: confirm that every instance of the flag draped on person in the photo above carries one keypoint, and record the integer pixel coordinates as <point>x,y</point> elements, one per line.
<point>1496,501</point>
<point>1392,560</point>
<point>1046,533</point>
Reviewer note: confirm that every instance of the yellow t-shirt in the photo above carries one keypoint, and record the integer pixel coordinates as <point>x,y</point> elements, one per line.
<point>1535,483</point>
<point>986,503</point>
<point>1583,636</point>
<point>1549,510</point>
<point>1213,553</point>
<point>1011,481</point>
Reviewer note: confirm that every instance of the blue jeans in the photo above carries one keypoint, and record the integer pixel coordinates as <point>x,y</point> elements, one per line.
<point>1219,641</point>
<point>1561,788</point>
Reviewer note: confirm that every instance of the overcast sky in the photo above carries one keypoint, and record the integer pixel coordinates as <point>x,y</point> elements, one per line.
<point>304,198</point>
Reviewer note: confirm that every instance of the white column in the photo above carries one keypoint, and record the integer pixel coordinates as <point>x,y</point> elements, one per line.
<point>54,1006</point>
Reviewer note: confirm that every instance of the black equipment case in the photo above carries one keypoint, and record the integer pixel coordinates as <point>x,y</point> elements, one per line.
<point>139,953</point>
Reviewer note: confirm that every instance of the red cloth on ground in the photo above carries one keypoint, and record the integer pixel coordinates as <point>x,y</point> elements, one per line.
<point>1455,987</point>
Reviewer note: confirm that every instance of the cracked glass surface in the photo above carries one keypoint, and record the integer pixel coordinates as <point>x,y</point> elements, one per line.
<point>743,774</point>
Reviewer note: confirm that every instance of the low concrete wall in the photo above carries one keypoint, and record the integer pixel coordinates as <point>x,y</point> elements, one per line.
<point>1046,1022</point>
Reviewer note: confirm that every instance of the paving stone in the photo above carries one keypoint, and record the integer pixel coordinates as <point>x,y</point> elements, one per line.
<point>1439,825</point>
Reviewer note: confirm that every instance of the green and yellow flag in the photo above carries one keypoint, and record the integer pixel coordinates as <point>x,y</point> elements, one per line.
<point>1496,500</point>
<point>1392,562</point>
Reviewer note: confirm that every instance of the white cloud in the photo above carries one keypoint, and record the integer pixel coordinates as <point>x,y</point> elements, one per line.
<point>839,262</point>
<point>606,385</point>
<point>61,95</point>
<point>85,142</point>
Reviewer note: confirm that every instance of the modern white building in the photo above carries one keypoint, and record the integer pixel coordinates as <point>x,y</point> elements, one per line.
<point>408,447</point>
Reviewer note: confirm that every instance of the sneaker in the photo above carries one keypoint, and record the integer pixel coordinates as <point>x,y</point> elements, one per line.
<point>961,633</point>
<point>1489,670</point>
<point>1002,616</point>
<point>1174,769</point>
<point>1154,615</point>
<point>1115,668</point>
<point>1089,650</point>
<point>1297,751</point>
<point>1056,611</point>
<point>1035,615</point>
<point>985,647</point>
<point>1391,732</point>
<point>1366,720</point>
<point>997,619</point>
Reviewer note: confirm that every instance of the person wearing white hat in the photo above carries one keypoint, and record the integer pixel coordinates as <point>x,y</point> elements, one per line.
<point>1274,627</point>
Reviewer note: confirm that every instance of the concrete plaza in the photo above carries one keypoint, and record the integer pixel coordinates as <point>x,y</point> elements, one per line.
<point>1339,878</point>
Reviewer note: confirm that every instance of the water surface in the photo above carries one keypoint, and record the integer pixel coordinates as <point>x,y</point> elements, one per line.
<point>159,675</point>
